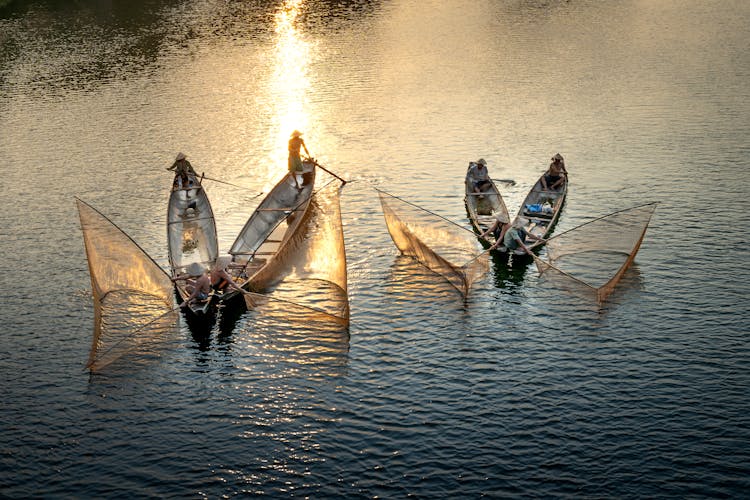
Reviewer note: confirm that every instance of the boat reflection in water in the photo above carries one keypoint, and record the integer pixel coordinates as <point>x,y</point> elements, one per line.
<point>508,272</point>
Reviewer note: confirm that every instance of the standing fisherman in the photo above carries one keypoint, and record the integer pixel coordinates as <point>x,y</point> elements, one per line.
<point>295,161</point>
<point>182,167</point>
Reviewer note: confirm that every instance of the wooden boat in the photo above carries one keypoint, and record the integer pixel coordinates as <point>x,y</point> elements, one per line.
<point>484,208</point>
<point>261,248</point>
<point>191,236</point>
<point>539,211</point>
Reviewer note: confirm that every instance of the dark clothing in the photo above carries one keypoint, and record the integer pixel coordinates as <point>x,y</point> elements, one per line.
<point>183,168</point>
<point>551,179</point>
<point>480,185</point>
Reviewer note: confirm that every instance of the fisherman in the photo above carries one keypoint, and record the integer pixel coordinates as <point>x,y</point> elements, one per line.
<point>197,281</point>
<point>183,168</point>
<point>479,175</point>
<point>295,161</point>
<point>221,280</point>
<point>555,175</point>
<point>497,229</point>
<point>516,236</point>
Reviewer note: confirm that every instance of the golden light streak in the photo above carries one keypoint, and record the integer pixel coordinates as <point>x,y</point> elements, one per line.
<point>290,79</point>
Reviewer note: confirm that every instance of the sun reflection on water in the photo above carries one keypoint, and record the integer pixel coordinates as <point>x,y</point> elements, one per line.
<point>291,82</point>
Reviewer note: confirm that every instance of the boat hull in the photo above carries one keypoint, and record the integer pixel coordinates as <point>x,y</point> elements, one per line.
<point>541,209</point>
<point>191,237</point>
<point>260,250</point>
<point>484,208</point>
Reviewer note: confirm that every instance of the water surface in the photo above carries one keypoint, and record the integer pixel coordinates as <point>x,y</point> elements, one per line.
<point>521,390</point>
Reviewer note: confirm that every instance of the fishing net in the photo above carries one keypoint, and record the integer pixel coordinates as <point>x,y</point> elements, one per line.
<point>310,277</point>
<point>133,297</point>
<point>445,248</point>
<point>264,231</point>
<point>260,249</point>
<point>592,258</point>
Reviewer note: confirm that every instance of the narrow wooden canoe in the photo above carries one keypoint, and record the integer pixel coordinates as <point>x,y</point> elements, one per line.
<point>540,210</point>
<point>191,235</point>
<point>484,208</point>
<point>260,250</point>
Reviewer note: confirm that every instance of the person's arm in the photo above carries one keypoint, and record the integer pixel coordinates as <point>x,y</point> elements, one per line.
<point>489,230</point>
<point>230,282</point>
<point>534,237</point>
<point>304,146</point>
<point>523,245</point>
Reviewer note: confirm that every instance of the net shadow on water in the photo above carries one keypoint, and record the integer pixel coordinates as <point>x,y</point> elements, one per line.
<point>412,291</point>
<point>574,306</point>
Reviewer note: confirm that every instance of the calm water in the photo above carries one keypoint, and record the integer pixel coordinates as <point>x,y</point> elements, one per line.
<point>523,390</point>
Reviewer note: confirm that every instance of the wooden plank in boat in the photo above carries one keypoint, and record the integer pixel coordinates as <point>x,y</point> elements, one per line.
<point>188,219</point>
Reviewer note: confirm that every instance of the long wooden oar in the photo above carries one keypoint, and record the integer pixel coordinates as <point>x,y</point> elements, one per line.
<point>315,162</point>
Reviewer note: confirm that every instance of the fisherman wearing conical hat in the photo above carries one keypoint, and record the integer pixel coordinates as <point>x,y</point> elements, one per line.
<point>556,174</point>
<point>197,280</point>
<point>182,167</point>
<point>516,236</point>
<point>479,176</point>
<point>295,161</point>
<point>221,280</point>
<point>497,229</point>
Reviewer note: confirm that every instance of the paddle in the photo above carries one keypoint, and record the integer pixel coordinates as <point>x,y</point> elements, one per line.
<point>506,181</point>
<point>315,162</point>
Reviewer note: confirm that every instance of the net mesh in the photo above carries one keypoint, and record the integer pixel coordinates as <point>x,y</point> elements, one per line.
<point>312,265</point>
<point>593,257</point>
<point>260,250</point>
<point>129,289</point>
<point>441,246</point>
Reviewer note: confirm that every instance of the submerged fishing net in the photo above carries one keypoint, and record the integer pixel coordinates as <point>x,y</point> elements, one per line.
<point>133,296</point>
<point>440,245</point>
<point>312,279</point>
<point>592,258</point>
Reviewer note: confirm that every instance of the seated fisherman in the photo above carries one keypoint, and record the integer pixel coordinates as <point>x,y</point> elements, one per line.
<point>516,237</point>
<point>479,176</point>
<point>197,282</point>
<point>220,278</point>
<point>556,174</point>
<point>497,229</point>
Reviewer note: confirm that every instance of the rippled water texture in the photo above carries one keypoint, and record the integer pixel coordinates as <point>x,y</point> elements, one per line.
<point>524,389</point>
